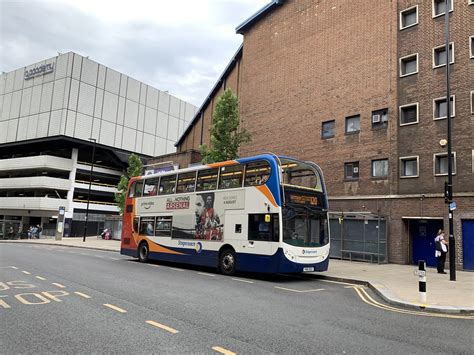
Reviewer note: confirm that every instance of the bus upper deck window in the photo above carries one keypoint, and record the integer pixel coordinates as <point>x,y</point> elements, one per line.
<point>139,188</point>
<point>257,173</point>
<point>207,180</point>
<point>131,190</point>
<point>186,182</point>
<point>150,187</point>
<point>231,176</point>
<point>167,185</point>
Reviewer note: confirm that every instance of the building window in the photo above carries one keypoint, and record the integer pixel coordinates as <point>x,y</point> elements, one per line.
<point>380,168</point>
<point>409,65</point>
<point>409,167</point>
<point>439,55</point>
<point>471,47</point>
<point>441,164</point>
<point>328,129</point>
<point>470,2</point>
<point>353,124</point>
<point>408,114</point>
<point>439,7</point>
<point>351,170</point>
<point>380,118</point>
<point>440,108</point>
<point>409,17</point>
<point>472,102</point>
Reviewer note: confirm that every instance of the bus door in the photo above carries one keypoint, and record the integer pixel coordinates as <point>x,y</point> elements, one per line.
<point>262,233</point>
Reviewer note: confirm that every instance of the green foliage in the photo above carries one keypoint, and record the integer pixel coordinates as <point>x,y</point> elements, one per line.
<point>135,168</point>
<point>226,137</point>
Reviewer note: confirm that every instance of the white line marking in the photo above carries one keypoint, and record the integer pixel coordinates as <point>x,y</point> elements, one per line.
<point>26,272</point>
<point>338,282</point>
<point>162,326</point>
<point>40,278</point>
<point>206,274</point>
<point>154,265</point>
<point>241,280</point>
<point>115,308</point>
<point>82,294</point>
<point>58,285</point>
<point>173,268</point>
<point>299,291</point>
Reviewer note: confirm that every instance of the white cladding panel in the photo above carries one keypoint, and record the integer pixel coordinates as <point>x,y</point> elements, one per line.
<point>82,98</point>
<point>85,103</point>
<point>89,72</point>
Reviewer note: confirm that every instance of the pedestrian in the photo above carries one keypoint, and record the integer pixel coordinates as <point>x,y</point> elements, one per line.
<point>441,250</point>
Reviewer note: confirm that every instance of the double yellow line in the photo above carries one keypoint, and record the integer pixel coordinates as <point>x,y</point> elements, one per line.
<point>364,296</point>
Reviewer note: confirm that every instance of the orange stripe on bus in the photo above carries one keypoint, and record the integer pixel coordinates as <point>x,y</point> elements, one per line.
<point>216,165</point>
<point>268,194</point>
<point>160,249</point>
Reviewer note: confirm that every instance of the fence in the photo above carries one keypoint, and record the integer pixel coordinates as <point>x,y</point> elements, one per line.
<point>358,236</point>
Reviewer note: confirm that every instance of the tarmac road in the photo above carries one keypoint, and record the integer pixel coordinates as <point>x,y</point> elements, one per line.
<point>69,300</point>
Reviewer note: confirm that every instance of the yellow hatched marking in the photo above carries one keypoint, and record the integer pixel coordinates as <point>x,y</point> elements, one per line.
<point>241,280</point>
<point>26,272</point>
<point>299,291</point>
<point>118,309</point>
<point>222,350</point>
<point>162,326</point>
<point>58,285</point>
<point>82,294</point>
<point>40,278</point>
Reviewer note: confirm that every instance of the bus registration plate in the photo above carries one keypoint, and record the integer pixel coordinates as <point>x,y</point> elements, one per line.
<point>308,268</point>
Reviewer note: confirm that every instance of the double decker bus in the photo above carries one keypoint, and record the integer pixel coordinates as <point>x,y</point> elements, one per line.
<point>265,214</point>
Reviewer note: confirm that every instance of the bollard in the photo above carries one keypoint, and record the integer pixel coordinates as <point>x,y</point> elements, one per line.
<point>422,280</point>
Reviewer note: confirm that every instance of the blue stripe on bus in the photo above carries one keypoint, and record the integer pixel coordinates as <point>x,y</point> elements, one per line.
<point>276,263</point>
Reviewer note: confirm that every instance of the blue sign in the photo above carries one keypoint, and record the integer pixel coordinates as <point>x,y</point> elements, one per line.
<point>452,206</point>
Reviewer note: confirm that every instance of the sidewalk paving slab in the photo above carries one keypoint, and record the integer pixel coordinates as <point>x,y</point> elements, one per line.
<point>395,284</point>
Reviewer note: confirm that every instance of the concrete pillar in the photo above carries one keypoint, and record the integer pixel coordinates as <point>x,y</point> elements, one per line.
<point>72,178</point>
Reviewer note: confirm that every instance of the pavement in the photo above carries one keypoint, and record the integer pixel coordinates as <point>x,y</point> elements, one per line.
<point>395,284</point>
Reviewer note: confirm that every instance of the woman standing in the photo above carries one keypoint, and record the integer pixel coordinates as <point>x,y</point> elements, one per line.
<point>441,251</point>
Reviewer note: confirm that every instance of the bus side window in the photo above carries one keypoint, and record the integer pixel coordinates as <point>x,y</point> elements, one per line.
<point>263,230</point>
<point>147,226</point>
<point>207,179</point>
<point>139,188</point>
<point>231,176</point>
<point>167,185</point>
<point>135,224</point>
<point>163,226</point>
<point>257,173</point>
<point>131,190</point>
<point>186,182</point>
<point>150,188</point>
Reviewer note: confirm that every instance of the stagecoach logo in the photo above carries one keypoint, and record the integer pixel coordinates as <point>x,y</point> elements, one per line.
<point>197,246</point>
<point>177,203</point>
<point>309,251</point>
<point>147,205</point>
<point>39,70</point>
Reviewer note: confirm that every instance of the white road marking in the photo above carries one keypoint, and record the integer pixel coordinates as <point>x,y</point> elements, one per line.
<point>58,285</point>
<point>299,291</point>
<point>206,274</point>
<point>241,280</point>
<point>40,278</point>
<point>82,294</point>
<point>222,350</point>
<point>26,272</point>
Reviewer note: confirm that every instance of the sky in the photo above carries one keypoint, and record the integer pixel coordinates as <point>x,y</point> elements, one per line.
<point>179,46</point>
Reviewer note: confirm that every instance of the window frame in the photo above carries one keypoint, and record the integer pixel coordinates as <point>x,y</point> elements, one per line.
<point>333,129</point>
<point>160,193</point>
<point>401,61</point>
<point>178,184</point>
<point>352,178</point>
<point>471,43</point>
<point>401,17</point>
<point>439,99</point>
<point>472,102</point>
<point>197,187</point>
<point>222,173</point>
<point>435,50</point>
<point>435,160</point>
<point>434,15</point>
<point>381,177</point>
<point>401,107</point>
<point>345,125</point>
<point>402,166</point>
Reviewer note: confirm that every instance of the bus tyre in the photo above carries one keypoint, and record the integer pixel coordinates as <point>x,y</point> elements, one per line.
<point>227,262</point>
<point>143,252</point>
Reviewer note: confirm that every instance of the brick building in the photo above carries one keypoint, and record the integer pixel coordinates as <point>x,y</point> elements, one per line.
<point>358,87</point>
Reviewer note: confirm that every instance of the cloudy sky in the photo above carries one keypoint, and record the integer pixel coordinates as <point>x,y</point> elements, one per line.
<point>177,45</point>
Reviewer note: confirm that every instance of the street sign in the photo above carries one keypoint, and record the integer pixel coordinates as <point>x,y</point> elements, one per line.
<point>420,272</point>
<point>452,206</point>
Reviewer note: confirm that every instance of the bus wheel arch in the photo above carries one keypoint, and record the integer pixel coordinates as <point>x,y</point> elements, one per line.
<point>227,260</point>
<point>143,251</point>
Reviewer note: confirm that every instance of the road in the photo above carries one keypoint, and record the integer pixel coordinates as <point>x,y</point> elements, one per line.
<point>71,300</point>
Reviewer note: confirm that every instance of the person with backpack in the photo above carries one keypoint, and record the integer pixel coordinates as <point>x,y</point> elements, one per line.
<point>441,246</point>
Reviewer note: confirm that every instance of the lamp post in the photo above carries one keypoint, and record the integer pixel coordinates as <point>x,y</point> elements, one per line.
<point>93,140</point>
<point>449,187</point>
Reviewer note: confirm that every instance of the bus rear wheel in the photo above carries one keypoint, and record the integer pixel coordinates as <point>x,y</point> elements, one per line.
<point>227,262</point>
<point>143,252</point>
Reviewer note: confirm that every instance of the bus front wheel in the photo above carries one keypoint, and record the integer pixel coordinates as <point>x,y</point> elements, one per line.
<point>227,262</point>
<point>143,252</point>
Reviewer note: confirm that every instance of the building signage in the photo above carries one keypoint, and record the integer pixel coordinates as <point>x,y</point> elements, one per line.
<point>39,70</point>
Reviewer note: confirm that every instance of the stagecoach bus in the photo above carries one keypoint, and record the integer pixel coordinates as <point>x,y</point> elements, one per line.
<point>265,213</point>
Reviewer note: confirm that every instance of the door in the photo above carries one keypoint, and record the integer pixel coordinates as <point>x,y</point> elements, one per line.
<point>468,243</point>
<point>422,234</point>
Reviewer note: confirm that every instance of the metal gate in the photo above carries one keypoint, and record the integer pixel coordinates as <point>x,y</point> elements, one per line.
<point>358,236</point>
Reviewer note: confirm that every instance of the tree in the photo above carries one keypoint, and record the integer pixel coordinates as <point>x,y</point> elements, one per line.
<point>135,167</point>
<point>226,137</point>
